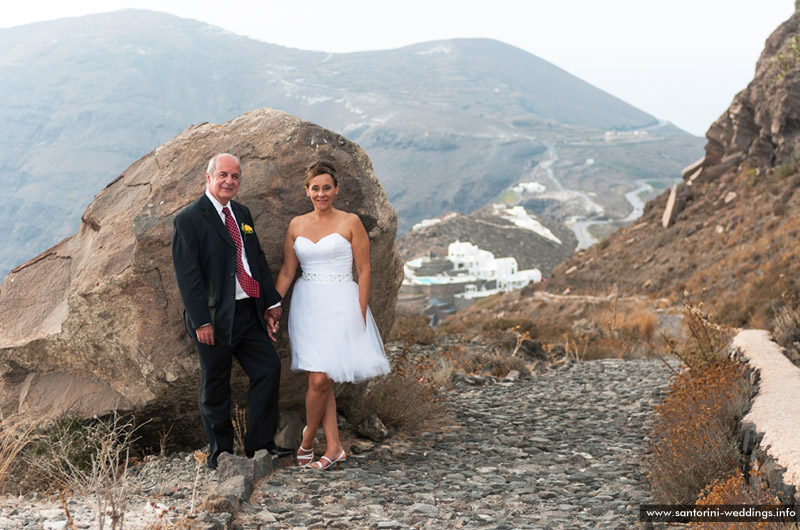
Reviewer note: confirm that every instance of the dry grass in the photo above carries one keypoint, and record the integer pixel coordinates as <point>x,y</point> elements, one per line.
<point>641,325</point>
<point>580,327</point>
<point>409,398</point>
<point>86,457</point>
<point>708,341</point>
<point>733,490</point>
<point>16,433</point>
<point>493,363</point>
<point>786,320</point>
<point>694,432</point>
<point>413,328</point>
<point>239,420</point>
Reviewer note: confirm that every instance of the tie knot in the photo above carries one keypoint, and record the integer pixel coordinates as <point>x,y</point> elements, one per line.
<point>226,211</point>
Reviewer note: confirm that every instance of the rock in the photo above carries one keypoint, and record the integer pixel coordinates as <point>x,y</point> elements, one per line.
<point>252,469</point>
<point>585,328</point>
<point>532,348</point>
<point>691,169</point>
<point>373,428</point>
<point>96,322</point>
<point>230,466</point>
<point>290,428</point>
<point>263,464</point>
<point>236,489</point>
<point>680,194</point>
<point>761,126</point>
<point>359,448</point>
<point>217,504</point>
<point>206,521</point>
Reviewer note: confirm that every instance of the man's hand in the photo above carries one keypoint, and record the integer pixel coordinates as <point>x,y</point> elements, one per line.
<point>273,318</point>
<point>205,334</point>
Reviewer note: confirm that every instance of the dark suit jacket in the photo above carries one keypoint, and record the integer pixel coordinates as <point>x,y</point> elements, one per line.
<point>205,264</point>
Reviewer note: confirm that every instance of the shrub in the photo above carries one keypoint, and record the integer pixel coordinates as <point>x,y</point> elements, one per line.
<point>787,325</point>
<point>16,433</point>
<point>694,432</point>
<point>707,343</point>
<point>89,457</point>
<point>641,325</point>
<point>521,325</point>
<point>786,315</point>
<point>494,363</point>
<point>409,397</point>
<point>414,328</point>
<point>733,490</point>
<point>64,451</point>
<point>695,427</point>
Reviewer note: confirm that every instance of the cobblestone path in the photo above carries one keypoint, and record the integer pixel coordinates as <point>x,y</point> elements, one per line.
<point>562,449</point>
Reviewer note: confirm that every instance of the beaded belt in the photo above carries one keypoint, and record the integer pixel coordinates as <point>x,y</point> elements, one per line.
<point>312,277</point>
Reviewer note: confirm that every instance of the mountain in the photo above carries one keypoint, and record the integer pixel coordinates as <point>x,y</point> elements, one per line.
<point>728,233</point>
<point>449,125</point>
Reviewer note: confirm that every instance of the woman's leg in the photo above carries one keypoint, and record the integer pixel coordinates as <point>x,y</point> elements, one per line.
<point>319,389</point>
<point>331,427</point>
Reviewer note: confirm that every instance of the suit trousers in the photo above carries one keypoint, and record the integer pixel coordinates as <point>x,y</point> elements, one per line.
<point>252,347</point>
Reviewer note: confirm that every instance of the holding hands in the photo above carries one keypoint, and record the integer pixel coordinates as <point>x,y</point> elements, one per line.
<point>273,318</point>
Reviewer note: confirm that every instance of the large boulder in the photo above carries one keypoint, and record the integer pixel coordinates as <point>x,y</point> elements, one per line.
<point>95,323</point>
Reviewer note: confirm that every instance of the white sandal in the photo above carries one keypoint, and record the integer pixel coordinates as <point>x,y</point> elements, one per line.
<point>305,459</point>
<point>324,467</point>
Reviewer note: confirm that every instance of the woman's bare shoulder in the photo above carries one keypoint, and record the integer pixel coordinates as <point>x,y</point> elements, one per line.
<point>351,218</point>
<point>296,224</point>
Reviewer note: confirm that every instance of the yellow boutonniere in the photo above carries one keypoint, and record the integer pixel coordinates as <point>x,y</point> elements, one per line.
<point>246,229</point>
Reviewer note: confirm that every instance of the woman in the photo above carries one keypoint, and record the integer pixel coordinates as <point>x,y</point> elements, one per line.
<point>331,329</point>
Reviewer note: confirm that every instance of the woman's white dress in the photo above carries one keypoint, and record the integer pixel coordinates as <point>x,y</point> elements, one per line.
<point>326,329</point>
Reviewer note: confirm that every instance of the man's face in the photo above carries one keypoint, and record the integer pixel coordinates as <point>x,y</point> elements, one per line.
<point>224,183</point>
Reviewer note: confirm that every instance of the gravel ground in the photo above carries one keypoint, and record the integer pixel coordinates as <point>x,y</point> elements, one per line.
<point>562,449</point>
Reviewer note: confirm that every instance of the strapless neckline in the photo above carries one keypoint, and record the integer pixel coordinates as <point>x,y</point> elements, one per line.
<point>323,237</point>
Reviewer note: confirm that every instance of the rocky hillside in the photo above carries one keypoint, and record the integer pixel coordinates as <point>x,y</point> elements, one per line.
<point>448,125</point>
<point>534,241</point>
<point>729,231</point>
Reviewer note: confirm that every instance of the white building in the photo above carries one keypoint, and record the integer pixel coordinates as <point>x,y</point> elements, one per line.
<point>477,271</point>
<point>470,259</point>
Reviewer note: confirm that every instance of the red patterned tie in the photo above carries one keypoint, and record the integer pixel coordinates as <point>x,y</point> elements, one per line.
<point>249,285</point>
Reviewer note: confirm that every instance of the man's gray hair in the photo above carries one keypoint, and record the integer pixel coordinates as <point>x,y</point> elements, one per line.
<point>212,164</point>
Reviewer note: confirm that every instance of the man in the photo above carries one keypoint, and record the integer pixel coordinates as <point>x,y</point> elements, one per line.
<point>228,297</point>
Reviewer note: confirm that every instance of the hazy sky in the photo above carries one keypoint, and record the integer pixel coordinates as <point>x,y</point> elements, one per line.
<point>682,60</point>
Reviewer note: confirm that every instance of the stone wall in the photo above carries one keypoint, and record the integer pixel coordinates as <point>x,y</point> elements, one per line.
<point>770,431</point>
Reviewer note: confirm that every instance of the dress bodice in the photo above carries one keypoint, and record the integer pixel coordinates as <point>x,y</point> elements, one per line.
<point>332,254</point>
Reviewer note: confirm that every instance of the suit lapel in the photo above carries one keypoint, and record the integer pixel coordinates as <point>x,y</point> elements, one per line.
<point>211,215</point>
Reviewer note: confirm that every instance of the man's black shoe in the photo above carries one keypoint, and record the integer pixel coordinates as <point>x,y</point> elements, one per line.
<point>281,452</point>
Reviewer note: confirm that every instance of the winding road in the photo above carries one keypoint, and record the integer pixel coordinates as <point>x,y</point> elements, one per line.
<point>580,225</point>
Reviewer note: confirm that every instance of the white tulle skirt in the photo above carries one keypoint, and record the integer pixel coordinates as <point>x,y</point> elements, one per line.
<point>327,332</point>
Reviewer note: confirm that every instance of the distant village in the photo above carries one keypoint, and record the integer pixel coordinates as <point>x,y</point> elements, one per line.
<point>466,274</point>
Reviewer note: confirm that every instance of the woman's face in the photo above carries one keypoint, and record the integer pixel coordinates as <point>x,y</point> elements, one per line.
<point>321,190</point>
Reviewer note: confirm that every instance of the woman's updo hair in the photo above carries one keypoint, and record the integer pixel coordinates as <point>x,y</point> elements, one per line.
<point>320,168</point>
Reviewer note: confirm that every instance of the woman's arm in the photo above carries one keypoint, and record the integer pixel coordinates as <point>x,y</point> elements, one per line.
<point>360,245</point>
<point>290,262</point>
